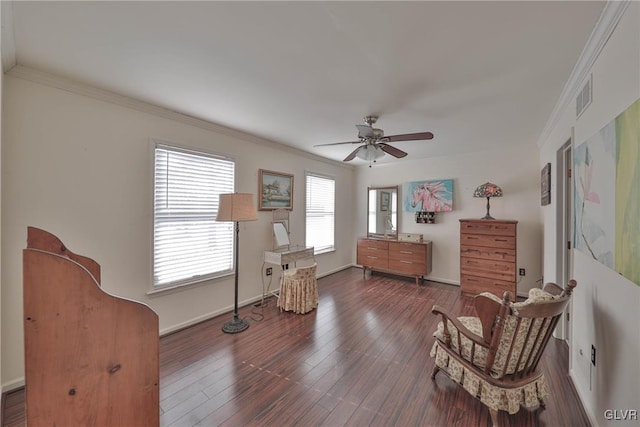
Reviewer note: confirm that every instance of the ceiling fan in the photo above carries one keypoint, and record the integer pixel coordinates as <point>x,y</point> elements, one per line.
<point>375,144</point>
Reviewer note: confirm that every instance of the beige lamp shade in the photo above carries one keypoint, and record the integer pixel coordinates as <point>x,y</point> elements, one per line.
<point>236,207</point>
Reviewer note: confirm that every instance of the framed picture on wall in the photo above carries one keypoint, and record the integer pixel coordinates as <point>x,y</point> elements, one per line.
<point>275,190</point>
<point>545,185</point>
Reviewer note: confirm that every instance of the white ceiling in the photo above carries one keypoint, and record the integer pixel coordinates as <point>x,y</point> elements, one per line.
<point>479,75</point>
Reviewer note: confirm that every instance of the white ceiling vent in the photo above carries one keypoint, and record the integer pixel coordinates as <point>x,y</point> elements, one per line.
<point>584,97</point>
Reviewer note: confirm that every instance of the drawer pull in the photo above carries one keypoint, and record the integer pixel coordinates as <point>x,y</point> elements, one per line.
<point>501,240</point>
<point>372,257</point>
<point>406,262</point>
<point>406,252</point>
<point>372,249</point>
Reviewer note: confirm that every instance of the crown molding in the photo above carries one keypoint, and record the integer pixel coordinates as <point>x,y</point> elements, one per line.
<point>8,39</point>
<point>78,88</point>
<point>605,26</point>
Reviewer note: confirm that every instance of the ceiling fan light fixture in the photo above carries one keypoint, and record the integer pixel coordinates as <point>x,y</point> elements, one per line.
<point>369,152</point>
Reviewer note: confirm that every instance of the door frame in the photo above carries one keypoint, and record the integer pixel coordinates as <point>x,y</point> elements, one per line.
<point>564,232</point>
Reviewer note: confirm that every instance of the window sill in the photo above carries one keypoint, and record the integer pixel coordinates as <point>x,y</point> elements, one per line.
<point>325,251</point>
<point>169,289</point>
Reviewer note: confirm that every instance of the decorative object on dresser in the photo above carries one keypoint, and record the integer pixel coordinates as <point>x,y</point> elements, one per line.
<point>488,190</point>
<point>397,257</point>
<point>488,256</point>
<point>410,237</point>
<point>236,207</point>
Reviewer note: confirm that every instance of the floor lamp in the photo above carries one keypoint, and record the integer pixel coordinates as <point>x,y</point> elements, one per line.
<point>236,207</point>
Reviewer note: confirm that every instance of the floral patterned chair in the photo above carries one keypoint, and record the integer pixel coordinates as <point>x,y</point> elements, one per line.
<point>495,355</point>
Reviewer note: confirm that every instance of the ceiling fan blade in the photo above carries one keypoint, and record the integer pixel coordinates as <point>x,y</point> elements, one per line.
<point>364,131</point>
<point>409,137</point>
<point>392,150</point>
<point>338,143</point>
<point>351,156</point>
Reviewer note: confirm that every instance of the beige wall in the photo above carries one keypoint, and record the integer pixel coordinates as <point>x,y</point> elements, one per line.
<point>605,306</point>
<point>514,170</point>
<point>81,168</point>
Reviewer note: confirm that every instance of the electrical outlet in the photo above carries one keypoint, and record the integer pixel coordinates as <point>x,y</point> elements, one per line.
<point>593,355</point>
<point>521,272</point>
<point>269,271</point>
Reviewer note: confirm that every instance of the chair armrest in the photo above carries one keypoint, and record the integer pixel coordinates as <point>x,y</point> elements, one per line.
<point>463,330</point>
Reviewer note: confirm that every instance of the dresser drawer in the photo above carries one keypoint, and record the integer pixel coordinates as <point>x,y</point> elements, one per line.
<point>373,260</point>
<point>372,245</point>
<point>500,270</point>
<point>475,285</point>
<point>499,254</point>
<point>506,242</point>
<point>373,253</point>
<point>488,227</point>
<point>407,252</point>
<point>408,267</point>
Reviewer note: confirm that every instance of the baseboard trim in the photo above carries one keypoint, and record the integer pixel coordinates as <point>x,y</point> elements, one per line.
<point>592,418</point>
<point>13,385</point>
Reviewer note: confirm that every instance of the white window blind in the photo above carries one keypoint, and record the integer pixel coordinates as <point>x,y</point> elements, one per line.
<point>188,244</point>
<point>320,212</point>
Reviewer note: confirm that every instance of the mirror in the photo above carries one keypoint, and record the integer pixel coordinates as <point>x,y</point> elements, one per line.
<point>382,214</point>
<point>280,234</point>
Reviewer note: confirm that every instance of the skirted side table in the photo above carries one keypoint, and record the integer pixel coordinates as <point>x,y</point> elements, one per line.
<point>299,290</point>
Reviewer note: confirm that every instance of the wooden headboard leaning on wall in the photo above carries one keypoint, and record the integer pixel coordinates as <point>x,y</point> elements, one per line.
<point>91,358</point>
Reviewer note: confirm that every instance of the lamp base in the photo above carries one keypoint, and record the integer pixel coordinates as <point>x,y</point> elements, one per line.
<point>234,326</point>
<point>487,216</point>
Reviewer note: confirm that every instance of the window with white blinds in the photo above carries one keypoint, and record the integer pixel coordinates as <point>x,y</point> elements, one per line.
<point>320,212</point>
<point>188,244</point>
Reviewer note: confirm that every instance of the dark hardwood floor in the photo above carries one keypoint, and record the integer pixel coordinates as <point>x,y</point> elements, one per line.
<point>360,359</point>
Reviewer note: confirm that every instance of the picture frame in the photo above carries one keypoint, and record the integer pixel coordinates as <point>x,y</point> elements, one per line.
<point>545,185</point>
<point>275,190</point>
<point>435,195</point>
<point>385,200</point>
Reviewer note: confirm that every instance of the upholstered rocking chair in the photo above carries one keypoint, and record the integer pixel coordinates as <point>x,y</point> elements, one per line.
<point>495,356</point>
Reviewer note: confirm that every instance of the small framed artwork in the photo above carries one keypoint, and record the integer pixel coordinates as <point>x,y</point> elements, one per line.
<point>545,185</point>
<point>385,199</point>
<point>275,190</point>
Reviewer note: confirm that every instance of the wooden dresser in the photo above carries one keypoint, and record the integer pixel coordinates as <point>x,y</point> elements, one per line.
<point>488,256</point>
<point>392,256</point>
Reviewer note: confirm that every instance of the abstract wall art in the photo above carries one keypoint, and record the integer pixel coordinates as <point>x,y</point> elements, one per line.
<point>607,195</point>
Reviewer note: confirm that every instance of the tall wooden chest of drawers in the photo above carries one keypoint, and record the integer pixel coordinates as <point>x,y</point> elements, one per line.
<point>488,256</point>
<point>392,256</point>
